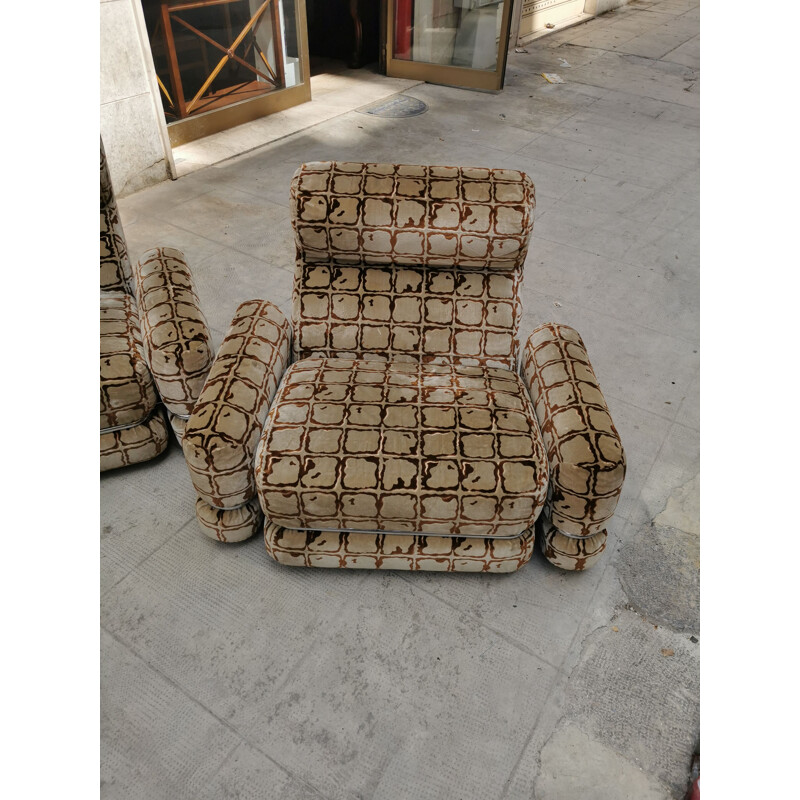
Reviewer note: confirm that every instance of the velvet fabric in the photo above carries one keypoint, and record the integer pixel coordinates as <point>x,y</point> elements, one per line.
<point>220,438</point>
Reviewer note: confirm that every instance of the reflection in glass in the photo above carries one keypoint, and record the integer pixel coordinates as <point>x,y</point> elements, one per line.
<point>211,53</point>
<point>458,33</point>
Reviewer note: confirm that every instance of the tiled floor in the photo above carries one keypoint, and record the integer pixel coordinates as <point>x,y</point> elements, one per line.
<point>227,675</point>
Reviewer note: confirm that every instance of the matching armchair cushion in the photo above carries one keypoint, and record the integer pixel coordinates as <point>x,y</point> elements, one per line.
<point>155,346</point>
<point>132,427</point>
<point>388,446</point>
<point>587,462</point>
<point>220,438</point>
<point>127,392</point>
<point>127,446</point>
<point>176,338</point>
<point>115,266</point>
<point>353,213</point>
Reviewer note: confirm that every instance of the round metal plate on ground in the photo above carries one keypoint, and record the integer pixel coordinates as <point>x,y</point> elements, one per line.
<point>395,107</point>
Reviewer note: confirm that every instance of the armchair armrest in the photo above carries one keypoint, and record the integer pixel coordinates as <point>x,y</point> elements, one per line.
<point>175,336</point>
<point>223,431</point>
<point>584,451</point>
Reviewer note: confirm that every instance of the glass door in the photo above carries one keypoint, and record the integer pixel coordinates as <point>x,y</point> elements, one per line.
<point>453,42</point>
<point>220,63</point>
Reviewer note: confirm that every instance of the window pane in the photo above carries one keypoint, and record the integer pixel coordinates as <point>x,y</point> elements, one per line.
<point>457,33</point>
<point>190,39</point>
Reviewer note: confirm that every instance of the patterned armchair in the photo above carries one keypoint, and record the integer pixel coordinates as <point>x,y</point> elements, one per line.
<point>155,347</point>
<point>389,427</point>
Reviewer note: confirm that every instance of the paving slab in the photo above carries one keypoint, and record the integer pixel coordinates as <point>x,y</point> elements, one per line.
<point>151,231</point>
<point>678,464</point>
<point>248,773</point>
<point>225,280</point>
<point>575,765</point>
<point>664,365</point>
<point>226,623</point>
<point>155,741</point>
<point>596,231</point>
<point>143,507</point>
<point>407,692</point>
<point>636,690</point>
<point>538,609</point>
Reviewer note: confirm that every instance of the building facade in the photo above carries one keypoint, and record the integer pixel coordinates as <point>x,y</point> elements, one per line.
<point>176,70</point>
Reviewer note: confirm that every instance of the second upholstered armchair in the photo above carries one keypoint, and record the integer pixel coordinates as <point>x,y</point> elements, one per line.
<point>155,346</point>
<point>397,423</point>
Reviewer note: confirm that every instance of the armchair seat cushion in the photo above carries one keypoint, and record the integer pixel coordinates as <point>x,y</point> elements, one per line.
<point>132,426</point>
<point>362,445</point>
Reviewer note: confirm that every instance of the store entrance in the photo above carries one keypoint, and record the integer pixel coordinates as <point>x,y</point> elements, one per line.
<point>220,63</point>
<point>343,35</point>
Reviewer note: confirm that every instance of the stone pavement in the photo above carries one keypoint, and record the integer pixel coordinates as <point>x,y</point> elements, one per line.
<point>226,675</point>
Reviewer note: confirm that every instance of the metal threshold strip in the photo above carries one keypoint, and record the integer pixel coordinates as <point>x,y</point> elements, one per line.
<point>115,428</point>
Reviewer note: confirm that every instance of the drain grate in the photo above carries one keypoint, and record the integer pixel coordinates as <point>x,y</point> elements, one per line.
<point>395,107</point>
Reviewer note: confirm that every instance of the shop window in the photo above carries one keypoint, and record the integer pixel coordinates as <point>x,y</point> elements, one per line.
<point>209,54</point>
<point>457,33</point>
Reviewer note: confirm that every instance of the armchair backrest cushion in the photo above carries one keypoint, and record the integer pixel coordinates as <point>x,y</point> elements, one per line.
<point>115,265</point>
<point>410,263</point>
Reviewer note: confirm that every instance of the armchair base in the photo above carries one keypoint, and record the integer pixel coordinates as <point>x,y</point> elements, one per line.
<point>395,551</point>
<point>121,448</point>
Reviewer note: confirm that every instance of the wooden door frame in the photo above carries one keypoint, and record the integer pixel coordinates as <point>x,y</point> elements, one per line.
<point>196,127</point>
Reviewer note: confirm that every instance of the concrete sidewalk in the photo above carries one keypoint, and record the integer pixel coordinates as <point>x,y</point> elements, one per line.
<point>227,675</point>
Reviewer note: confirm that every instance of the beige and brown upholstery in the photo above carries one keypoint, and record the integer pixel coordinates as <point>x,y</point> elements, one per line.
<point>584,451</point>
<point>220,438</point>
<point>402,435</point>
<point>115,266</point>
<point>397,551</point>
<point>155,346</point>
<point>177,342</point>
<point>132,427</point>
<point>409,263</point>
<point>392,446</point>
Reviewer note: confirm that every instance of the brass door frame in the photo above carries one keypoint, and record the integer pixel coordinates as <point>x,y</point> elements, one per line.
<point>220,119</point>
<point>464,77</point>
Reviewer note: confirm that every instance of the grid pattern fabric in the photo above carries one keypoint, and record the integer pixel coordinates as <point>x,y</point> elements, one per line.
<point>131,445</point>
<point>115,266</point>
<point>177,342</point>
<point>220,438</point>
<point>571,552</point>
<point>178,425</point>
<point>382,551</point>
<point>587,462</point>
<point>229,525</point>
<point>403,215</point>
<point>407,314</point>
<point>127,392</point>
<point>398,447</point>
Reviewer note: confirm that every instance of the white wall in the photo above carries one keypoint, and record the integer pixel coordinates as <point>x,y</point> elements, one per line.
<point>593,7</point>
<point>601,6</point>
<point>131,119</point>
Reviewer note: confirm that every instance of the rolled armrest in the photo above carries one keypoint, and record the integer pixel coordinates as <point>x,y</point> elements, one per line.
<point>175,336</point>
<point>587,462</point>
<point>222,433</point>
